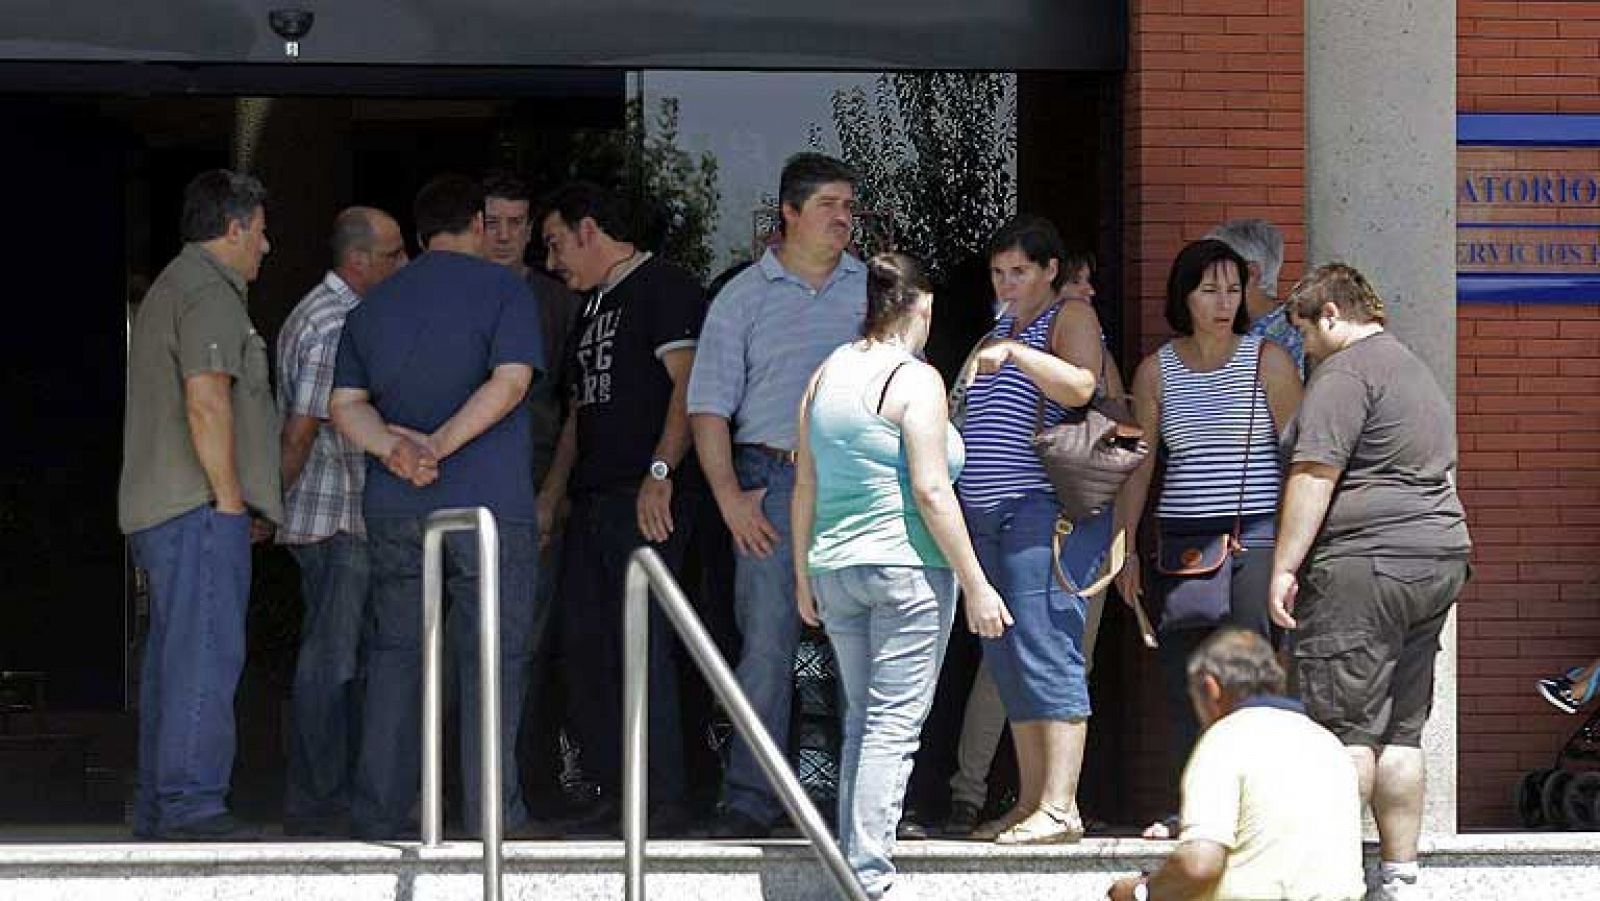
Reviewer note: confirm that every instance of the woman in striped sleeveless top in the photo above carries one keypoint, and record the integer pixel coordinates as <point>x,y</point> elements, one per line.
<point>1041,351</point>
<point>984,720</point>
<point>1215,399</point>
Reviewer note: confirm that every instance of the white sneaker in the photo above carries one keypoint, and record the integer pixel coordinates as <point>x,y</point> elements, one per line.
<point>1398,890</point>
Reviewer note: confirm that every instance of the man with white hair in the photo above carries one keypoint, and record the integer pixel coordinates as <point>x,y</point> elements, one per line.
<point>1261,245</point>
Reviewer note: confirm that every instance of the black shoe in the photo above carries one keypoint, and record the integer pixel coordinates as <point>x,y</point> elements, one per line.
<point>588,804</point>
<point>669,821</point>
<point>410,832</point>
<point>333,826</point>
<point>533,830</point>
<point>1558,690</point>
<point>910,828</point>
<point>222,827</point>
<point>602,820</point>
<point>962,820</point>
<point>731,823</point>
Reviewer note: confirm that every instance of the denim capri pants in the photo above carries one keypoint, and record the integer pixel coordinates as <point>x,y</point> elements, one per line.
<point>1038,663</point>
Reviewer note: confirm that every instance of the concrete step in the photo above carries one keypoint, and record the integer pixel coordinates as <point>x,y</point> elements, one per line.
<point>1488,867</point>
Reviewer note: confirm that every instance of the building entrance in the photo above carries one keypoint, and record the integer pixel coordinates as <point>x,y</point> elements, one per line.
<point>98,177</point>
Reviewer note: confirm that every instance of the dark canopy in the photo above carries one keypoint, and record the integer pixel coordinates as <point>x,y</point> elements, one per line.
<point>868,35</point>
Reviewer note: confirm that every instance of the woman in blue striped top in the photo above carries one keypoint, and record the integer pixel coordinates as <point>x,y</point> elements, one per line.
<point>1043,352</point>
<point>1214,400</point>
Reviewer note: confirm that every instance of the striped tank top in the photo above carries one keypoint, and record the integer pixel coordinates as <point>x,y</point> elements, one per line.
<point>999,426</point>
<point>1205,418</point>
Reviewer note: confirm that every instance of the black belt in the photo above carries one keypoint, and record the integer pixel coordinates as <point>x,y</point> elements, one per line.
<point>787,457</point>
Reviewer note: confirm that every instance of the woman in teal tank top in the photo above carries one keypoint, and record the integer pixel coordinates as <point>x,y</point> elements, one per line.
<point>880,546</point>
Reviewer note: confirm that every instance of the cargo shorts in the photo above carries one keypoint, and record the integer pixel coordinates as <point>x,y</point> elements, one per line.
<point>1368,634</point>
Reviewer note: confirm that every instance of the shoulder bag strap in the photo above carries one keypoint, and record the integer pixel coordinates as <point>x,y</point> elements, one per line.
<point>1116,558</point>
<point>957,397</point>
<point>1249,447</point>
<point>1049,348</point>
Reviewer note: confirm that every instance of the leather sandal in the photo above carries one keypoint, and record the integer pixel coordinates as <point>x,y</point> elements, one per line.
<point>1047,825</point>
<point>990,829</point>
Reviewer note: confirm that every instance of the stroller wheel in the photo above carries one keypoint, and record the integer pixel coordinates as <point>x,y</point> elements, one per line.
<point>1530,799</point>
<point>1553,799</point>
<point>1581,800</point>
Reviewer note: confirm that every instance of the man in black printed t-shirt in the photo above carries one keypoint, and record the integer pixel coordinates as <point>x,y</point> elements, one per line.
<point>623,461</point>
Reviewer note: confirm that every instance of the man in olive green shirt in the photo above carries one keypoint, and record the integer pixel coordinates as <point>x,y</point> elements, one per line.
<point>200,463</point>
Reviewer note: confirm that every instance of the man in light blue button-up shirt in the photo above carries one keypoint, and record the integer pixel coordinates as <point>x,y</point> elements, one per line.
<point>766,332</point>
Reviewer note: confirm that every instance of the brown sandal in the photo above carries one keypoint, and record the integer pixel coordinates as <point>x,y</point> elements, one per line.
<point>1047,825</point>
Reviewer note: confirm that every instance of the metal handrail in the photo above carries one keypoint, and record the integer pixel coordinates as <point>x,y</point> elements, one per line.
<point>646,571</point>
<point>465,519</point>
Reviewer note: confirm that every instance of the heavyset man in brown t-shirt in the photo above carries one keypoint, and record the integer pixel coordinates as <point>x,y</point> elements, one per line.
<point>200,479</point>
<point>1372,548</point>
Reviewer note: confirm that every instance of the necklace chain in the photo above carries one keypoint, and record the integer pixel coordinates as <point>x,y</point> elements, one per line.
<point>593,306</point>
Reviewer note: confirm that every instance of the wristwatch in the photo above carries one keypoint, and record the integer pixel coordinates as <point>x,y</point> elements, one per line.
<point>1141,892</point>
<point>659,470</point>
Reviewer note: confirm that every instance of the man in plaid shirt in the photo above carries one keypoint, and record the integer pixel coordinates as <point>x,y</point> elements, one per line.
<point>323,474</point>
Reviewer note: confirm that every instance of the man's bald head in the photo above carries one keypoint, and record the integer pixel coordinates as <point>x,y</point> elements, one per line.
<point>367,247</point>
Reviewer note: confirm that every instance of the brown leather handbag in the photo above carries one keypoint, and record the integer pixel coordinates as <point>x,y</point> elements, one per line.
<point>1090,454</point>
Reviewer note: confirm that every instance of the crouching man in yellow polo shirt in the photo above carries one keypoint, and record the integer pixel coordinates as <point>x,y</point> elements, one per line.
<point>1270,803</point>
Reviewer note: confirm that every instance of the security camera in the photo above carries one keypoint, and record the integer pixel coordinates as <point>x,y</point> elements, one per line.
<point>291,25</point>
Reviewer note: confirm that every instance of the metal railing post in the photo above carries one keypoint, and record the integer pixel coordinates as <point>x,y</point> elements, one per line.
<point>480,520</point>
<point>489,699</point>
<point>635,725</point>
<point>647,574</point>
<point>432,677</point>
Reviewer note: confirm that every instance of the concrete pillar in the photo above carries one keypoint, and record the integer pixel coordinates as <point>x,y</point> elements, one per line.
<point>1380,192</point>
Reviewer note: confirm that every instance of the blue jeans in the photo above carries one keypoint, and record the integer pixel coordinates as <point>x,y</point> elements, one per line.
<point>1038,663</point>
<point>325,711</point>
<point>888,626</point>
<point>769,630</point>
<point>388,771</point>
<point>199,569</point>
<point>602,533</point>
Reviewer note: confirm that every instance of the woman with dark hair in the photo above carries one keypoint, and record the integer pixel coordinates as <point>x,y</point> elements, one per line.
<point>1077,276</point>
<point>1038,367</point>
<point>1213,401</point>
<point>984,719</point>
<point>879,547</point>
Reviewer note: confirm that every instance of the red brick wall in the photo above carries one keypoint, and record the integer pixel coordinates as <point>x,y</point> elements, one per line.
<point>1528,393</point>
<point>1215,107</point>
<point>1524,57</point>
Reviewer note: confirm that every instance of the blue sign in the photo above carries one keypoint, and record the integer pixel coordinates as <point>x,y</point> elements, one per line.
<point>1528,208</point>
